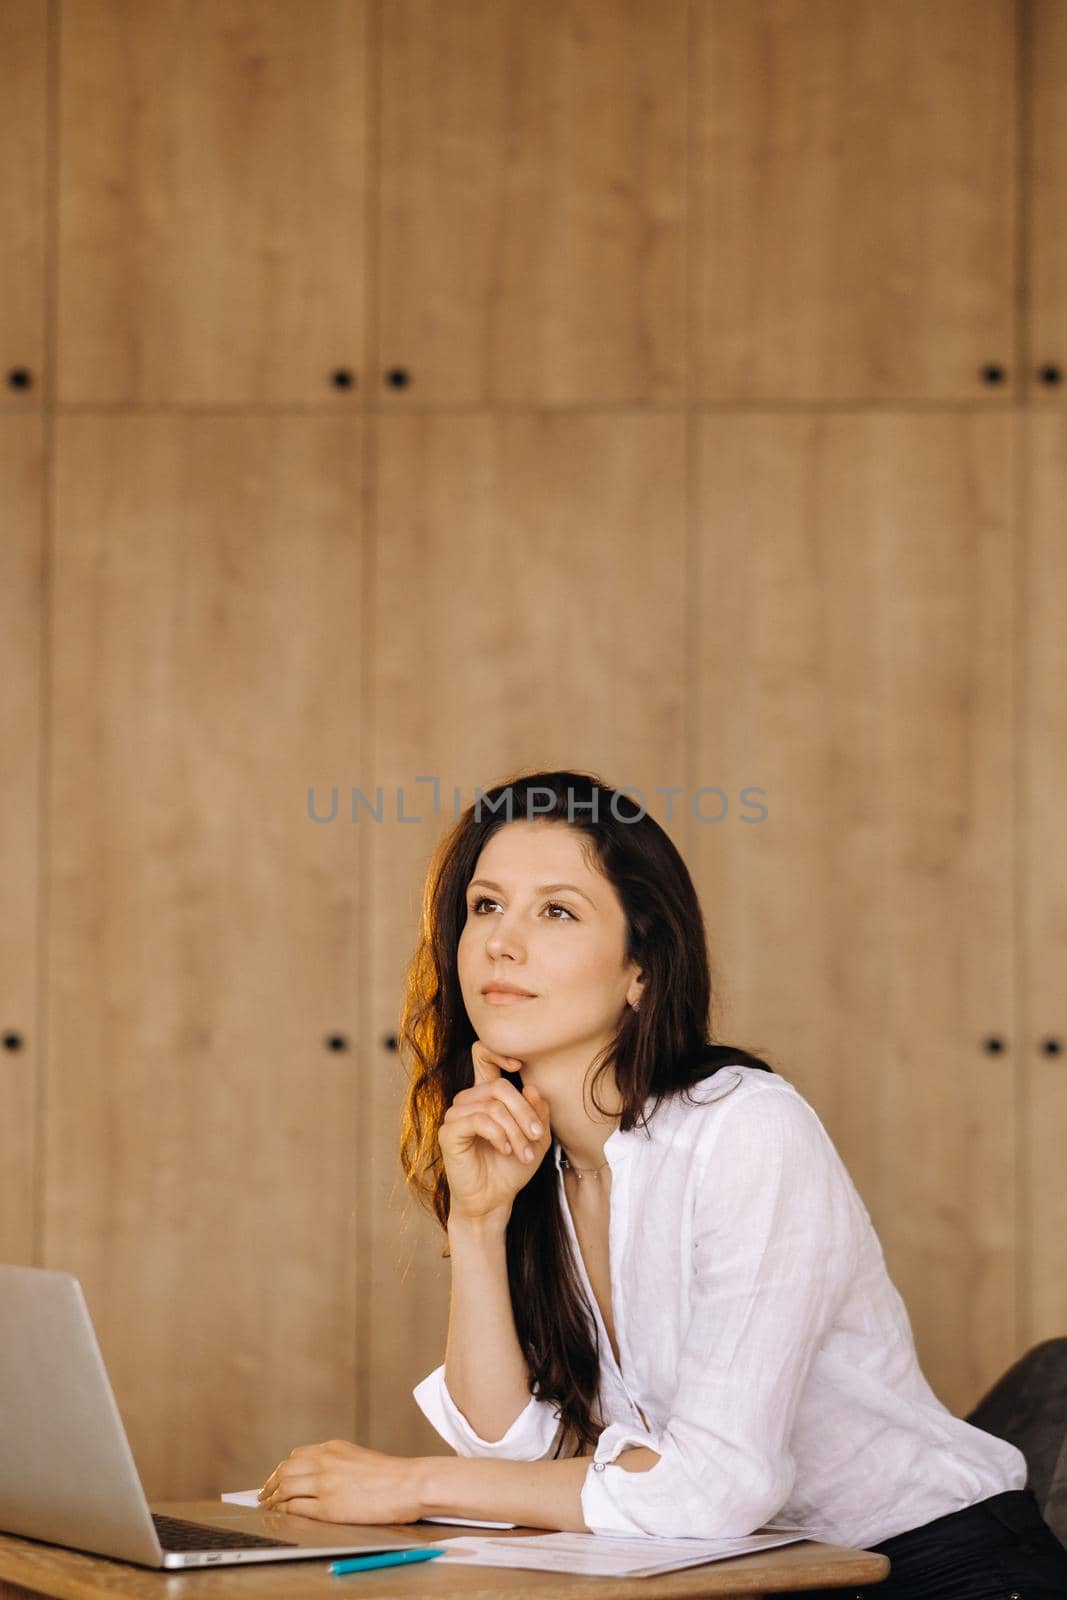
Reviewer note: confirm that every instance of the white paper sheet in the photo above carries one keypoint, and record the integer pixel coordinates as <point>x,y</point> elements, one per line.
<point>470,1522</point>
<point>250,1497</point>
<point>598,1555</point>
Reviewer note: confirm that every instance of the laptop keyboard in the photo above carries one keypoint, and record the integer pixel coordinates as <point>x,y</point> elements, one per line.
<point>176,1534</point>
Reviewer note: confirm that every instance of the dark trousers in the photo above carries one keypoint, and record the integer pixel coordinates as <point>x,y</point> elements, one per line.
<point>1000,1549</point>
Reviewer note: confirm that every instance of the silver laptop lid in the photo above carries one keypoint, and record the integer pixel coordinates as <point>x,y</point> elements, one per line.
<point>67,1474</point>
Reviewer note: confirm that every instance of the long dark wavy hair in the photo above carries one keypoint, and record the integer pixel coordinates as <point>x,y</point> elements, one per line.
<point>662,1049</point>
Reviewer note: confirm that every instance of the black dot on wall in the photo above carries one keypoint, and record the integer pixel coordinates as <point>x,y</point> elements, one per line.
<point>993,374</point>
<point>1050,375</point>
<point>344,378</point>
<point>19,378</point>
<point>398,377</point>
<point>336,1041</point>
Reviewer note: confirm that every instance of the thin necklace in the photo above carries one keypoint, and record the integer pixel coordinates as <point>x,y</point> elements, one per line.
<point>579,1172</point>
<point>587,1172</point>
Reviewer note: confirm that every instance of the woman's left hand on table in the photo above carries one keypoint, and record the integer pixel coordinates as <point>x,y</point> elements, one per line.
<point>342,1482</point>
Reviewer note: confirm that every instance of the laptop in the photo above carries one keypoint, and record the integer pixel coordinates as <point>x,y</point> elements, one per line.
<point>67,1474</point>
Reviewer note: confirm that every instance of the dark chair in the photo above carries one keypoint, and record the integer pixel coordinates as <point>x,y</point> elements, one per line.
<point>1028,1407</point>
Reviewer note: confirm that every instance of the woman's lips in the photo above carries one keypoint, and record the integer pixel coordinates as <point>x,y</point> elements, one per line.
<point>500,997</point>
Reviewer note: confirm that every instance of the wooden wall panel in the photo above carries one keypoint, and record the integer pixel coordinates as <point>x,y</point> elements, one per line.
<point>546,626</point>
<point>533,201</point>
<point>23,574</point>
<point>853,199</point>
<point>856,662</point>
<point>836,628</point>
<point>1043,885</point>
<point>203,1165</point>
<point>1045,327</point>
<point>23,177</point>
<point>212,196</point>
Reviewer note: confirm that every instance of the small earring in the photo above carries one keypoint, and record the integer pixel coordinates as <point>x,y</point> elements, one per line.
<point>636,1004</point>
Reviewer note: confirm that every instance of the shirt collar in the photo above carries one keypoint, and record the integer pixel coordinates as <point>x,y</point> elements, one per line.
<point>616,1145</point>
<point>619,1144</point>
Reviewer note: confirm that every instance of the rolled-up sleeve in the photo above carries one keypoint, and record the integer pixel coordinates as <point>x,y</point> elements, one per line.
<point>773,1250</point>
<point>531,1436</point>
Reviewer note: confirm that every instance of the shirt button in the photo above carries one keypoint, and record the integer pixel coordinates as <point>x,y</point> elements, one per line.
<point>598,1466</point>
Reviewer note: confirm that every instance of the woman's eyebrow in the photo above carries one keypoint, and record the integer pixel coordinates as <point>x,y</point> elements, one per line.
<point>546,888</point>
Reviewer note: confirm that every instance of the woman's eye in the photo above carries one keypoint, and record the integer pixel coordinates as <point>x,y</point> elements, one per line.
<point>553,905</point>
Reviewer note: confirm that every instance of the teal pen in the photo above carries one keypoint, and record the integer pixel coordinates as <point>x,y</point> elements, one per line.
<point>388,1558</point>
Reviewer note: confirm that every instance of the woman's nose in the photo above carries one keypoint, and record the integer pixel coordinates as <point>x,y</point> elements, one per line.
<point>502,936</point>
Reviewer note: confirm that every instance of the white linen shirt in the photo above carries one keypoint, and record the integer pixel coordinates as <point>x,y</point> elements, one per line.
<point>766,1355</point>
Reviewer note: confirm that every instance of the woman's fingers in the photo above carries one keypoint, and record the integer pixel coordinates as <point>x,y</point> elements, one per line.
<point>305,1507</point>
<point>292,1463</point>
<point>488,1065</point>
<point>494,1109</point>
<point>474,1122</point>
<point>525,1114</point>
<point>493,1123</point>
<point>289,1485</point>
<point>518,1131</point>
<point>496,1125</point>
<point>522,1120</point>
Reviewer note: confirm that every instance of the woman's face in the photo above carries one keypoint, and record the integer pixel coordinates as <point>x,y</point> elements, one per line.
<point>564,946</point>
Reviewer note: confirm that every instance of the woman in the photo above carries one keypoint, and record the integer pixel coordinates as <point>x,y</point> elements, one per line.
<point>675,1275</point>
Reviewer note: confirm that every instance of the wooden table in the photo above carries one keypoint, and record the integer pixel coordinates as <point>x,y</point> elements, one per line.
<point>29,1568</point>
